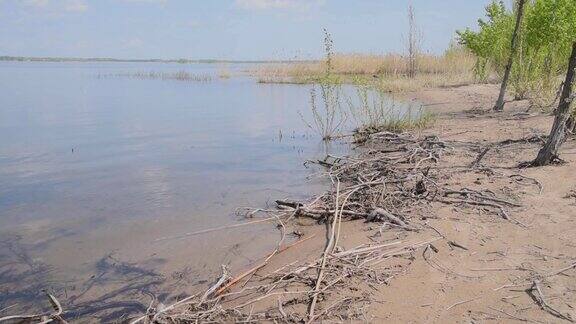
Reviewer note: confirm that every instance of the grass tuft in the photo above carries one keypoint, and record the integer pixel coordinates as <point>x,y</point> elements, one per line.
<point>375,110</point>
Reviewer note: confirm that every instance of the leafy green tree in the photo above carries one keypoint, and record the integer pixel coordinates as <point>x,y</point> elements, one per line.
<point>490,43</point>
<point>544,45</point>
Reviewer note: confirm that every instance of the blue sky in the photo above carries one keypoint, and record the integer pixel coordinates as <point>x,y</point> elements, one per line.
<point>223,29</point>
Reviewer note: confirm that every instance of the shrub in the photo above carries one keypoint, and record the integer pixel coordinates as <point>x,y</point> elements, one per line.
<point>546,34</point>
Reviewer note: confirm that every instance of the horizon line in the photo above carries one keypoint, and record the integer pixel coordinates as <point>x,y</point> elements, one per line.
<point>147,60</point>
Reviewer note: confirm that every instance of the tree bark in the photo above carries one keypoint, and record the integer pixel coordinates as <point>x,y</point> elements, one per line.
<point>563,121</point>
<point>500,102</point>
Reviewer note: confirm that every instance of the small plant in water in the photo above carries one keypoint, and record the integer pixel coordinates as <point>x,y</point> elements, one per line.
<point>374,110</point>
<point>370,107</point>
<point>329,51</point>
<point>327,120</point>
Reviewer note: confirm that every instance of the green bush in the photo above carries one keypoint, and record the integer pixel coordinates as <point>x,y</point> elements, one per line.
<point>545,39</point>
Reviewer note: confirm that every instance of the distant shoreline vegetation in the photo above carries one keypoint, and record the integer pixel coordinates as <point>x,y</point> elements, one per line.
<point>143,75</point>
<point>106,59</point>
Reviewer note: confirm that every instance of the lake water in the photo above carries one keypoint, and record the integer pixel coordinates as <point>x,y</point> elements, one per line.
<point>97,164</point>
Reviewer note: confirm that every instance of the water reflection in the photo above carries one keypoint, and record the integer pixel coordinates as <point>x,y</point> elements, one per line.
<point>93,170</point>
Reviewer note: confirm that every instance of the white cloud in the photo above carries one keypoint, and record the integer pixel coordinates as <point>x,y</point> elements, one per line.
<point>278,4</point>
<point>75,6</point>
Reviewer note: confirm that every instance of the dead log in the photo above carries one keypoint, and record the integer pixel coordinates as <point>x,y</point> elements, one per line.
<point>384,215</point>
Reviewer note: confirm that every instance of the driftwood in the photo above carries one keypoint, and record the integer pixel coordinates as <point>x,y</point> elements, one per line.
<point>384,215</point>
<point>221,282</point>
<point>539,297</point>
<point>480,157</point>
<point>245,274</point>
<point>56,316</point>
<point>388,183</point>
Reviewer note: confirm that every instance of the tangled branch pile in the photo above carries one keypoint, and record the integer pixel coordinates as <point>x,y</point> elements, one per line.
<point>392,183</point>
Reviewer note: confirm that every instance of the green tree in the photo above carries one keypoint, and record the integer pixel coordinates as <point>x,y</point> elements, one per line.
<point>544,45</point>
<point>563,122</point>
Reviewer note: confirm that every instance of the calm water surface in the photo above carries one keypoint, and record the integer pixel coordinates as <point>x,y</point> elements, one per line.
<point>94,168</point>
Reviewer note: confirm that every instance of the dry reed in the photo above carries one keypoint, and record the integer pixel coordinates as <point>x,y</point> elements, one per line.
<point>454,67</point>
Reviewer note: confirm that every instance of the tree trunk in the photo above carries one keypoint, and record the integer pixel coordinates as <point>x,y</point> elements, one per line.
<point>413,42</point>
<point>563,121</point>
<point>500,103</point>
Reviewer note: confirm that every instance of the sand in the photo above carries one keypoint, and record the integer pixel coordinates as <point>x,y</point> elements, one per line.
<point>493,279</point>
<point>500,253</point>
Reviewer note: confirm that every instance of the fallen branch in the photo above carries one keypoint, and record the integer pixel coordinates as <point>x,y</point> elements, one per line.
<point>538,296</point>
<point>382,214</point>
<point>210,230</point>
<point>225,277</point>
<point>45,317</point>
<point>463,302</point>
<point>480,157</point>
<point>555,273</point>
<point>236,279</point>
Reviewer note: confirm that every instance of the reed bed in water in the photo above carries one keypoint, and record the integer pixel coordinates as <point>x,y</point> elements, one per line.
<point>454,67</point>
<point>152,75</point>
<point>375,110</point>
<point>368,110</point>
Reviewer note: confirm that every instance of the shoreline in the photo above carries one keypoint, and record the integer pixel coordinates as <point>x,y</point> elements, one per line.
<point>435,261</point>
<point>460,260</point>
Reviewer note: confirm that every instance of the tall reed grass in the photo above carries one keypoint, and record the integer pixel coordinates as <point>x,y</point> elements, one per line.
<point>372,110</point>
<point>454,67</point>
